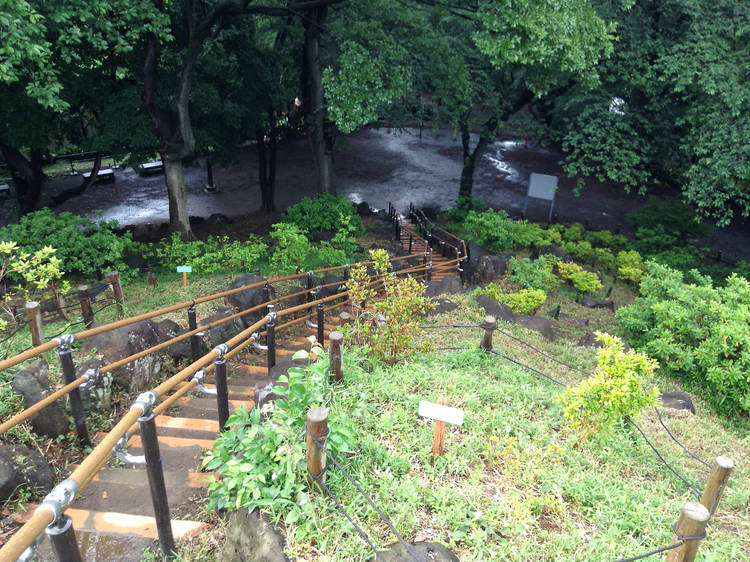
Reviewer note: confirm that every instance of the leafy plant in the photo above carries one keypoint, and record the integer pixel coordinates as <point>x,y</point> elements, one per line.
<point>214,255</point>
<point>580,250</point>
<point>574,232</point>
<point>618,388</point>
<point>525,301</point>
<point>537,274</point>
<point>494,230</point>
<point>605,239</point>
<point>630,266</point>
<point>698,332</point>
<point>292,248</point>
<point>606,258</point>
<point>262,464</point>
<point>582,280</point>
<point>323,213</point>
<point>463,205</point>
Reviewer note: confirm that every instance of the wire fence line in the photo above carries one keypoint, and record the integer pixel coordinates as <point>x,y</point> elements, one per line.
<point>684,448</point>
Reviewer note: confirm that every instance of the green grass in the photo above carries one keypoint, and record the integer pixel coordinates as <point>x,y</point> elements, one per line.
<point>514,483</point>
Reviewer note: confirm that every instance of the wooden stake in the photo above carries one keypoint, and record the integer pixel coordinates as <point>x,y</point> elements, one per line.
<point>692,523</point>
<point>317,429</point>
<point>345,318</point>
<point>716,483</point>
<point>59,300</point>
<point>184,279</point>
<point>489,325</point>
<point>34,315</point>
<point>86,310</point>
<point>335,354</point>
<point>438,435</point>
<point>113,278</point>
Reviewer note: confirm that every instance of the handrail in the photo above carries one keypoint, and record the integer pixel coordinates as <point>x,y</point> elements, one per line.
<point>86,470</point>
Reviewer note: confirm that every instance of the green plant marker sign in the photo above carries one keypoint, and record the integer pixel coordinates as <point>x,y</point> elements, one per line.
<point>184,269</point>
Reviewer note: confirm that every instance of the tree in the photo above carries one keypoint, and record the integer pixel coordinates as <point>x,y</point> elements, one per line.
<point>672,106</point>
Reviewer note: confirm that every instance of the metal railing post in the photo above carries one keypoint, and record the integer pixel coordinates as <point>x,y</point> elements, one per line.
<point>155,472</point>
<point>336,355</point>
<point>195,343</point>
<point>222,392</point>
<point>69,375</point>
<point>442,248</point>
<point>411,241</point>
<point>62,536</point>
<point>271,337</point>
<point>266,293</point>
<point>320,321</point>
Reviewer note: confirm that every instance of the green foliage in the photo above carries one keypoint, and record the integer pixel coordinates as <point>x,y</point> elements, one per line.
<point>525,301</point>
<point>340,250</point>
<point>699,333</point>
<point>292,248</point>
<point>262,465</point>
<point>323,213</point>
<point>214,255</point>
<point>581,250</point>
<point>537,274</point>
<point>462,207</point>
<point>574,232</point>
<point>675,219</point>
<point>584,281</point>
<point>618,389</point>
<point>630,266</point>
<point>606,258</point>
<point>605,239</point>
<point>494,230</point>
<point>82,246</point>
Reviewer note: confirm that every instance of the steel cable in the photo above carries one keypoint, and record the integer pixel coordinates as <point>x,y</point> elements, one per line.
<point>704,463</point>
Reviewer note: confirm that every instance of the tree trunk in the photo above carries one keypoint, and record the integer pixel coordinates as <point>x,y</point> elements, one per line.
<point>28,176</point>
<point>471,157</point>
<point>316,118</point>
<point>266,170</point>
<point>70,193</point>
<point>174,175</point>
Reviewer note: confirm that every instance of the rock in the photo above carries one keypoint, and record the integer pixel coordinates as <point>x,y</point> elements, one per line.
<point>249,298</point>
<point>323,235</point>
<point>442,306</point>
<point>551,249</point>
<point>497,309</point>
<point>217,218</point>
<point>677,401</point>
<point>591,302</point>
<point>363,209</point>
<point>251,538</point>
<point>490,267</point>
<point>432,551</point>
<point>117,344</point>
<point>538,324</point>
<point>98,397</point>
<point>33,384</point>
<point>169,329</point>
<point>589,340</point>
<point>195,220</point>
<point>223,332</point>
<point>20,465</point>
<point>447,286</point>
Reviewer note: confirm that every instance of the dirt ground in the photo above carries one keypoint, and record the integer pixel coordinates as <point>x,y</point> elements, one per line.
<point>380,166</point>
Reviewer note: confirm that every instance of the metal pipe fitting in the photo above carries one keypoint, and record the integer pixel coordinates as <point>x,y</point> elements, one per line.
<point>199,377</point>
<point>66,339</point>
<point>93,378</point>
<point>145,401</point>
<point>256,342</point>
<point>121,452</point>
<point>221,349</point>
<point>60,497</point>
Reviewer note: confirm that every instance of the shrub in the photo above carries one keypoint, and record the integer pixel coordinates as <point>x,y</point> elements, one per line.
<point>214,255</point>
<point>574,232</point>
<point>340,250</point>
<point>82,245</point>
<point>670,218</point>
<point>537,274</point>
<point>262,465</point>
<point>606,258</point>
<point>630,266</point>
<point>292,248</point>
<point>619,388</point>
<point>584,281</point>
<point>323,213</point>
<point>698,332</point>
<point>463,205</point>
<point>525,301</point>
<point>605,239</point>
<point>496,231</point>
<point>580,250</point>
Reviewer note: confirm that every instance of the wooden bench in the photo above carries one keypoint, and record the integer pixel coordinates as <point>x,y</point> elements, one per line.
<point>153,167</point>
<point>4,189</point>
<point>103,174</point>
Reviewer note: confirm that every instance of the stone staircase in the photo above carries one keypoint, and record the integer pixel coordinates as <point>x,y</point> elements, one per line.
<point>113,516</point>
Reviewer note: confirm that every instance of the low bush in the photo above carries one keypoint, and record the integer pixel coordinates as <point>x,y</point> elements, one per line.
<point>630,266</point>
<point>83,246</point>
<point>494,230</point>
<point>537,274</point>
<point>292,248</point>
<point>574,232</point>
<point>606,258</point>
<point>323,213</point>
<point>582,280</point>
<point>214,255</point>
<point>525,301</point>
<point>620,387</point>
<point>700,333</point>
<point>581,250</point>
<point>605,239</point>
<point>462,207</point>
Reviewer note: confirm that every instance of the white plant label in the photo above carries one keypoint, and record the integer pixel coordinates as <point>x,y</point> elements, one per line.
<point>441,413</point>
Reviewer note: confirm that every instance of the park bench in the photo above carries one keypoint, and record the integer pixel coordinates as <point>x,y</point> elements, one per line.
<point>153,167</point>
<point>103,174</point>
<point>4,189</point>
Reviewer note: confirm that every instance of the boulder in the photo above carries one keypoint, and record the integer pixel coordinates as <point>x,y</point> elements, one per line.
<point>97,398</point>
<point>117,344</point>
<point>249,298</point>
<point>250,537</point>
<point>432,551</point>
<point>323,235</point>
<point>497,309</point>
<point>442,306</point>
<point>448,285</point>
<point>538,324</point>
<point>490,267</point>
<point>20,465</point>
<point>217,218</point>
<point>33,384</point>
<point>223,332</point>
<point>363,209</point>
<point>677,401</point>
<point>591,302</point>
<point>169,329</point>
<point>589,340</point>
<point>551,249</point>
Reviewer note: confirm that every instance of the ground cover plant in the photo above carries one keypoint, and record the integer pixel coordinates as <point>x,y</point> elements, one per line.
<point>324,213</point>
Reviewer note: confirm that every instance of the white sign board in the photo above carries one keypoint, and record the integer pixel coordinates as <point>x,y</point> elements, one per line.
<point>542,186</point>
<point>441,413</point>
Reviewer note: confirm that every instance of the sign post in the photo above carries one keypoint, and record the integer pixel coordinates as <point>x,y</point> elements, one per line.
<point>442,414</point>
<point>541,186</point>
<point>184,269</point>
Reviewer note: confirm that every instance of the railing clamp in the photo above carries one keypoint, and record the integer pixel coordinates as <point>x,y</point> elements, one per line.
<point>28,554</point>
<point>311,324</point>
<point>199,377</point>
<point>256,342</point>
<point>60,497</point>
<point>66,339</point>
<point>221,350</point>
<point>93,378</point>
<point>271,316</point>
<point>145,401</point>
<point>122,454</point>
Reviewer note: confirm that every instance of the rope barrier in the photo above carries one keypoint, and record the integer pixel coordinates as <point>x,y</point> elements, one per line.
<point>532,369</point>
<point>680,541</point>
<point>658,415</point>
